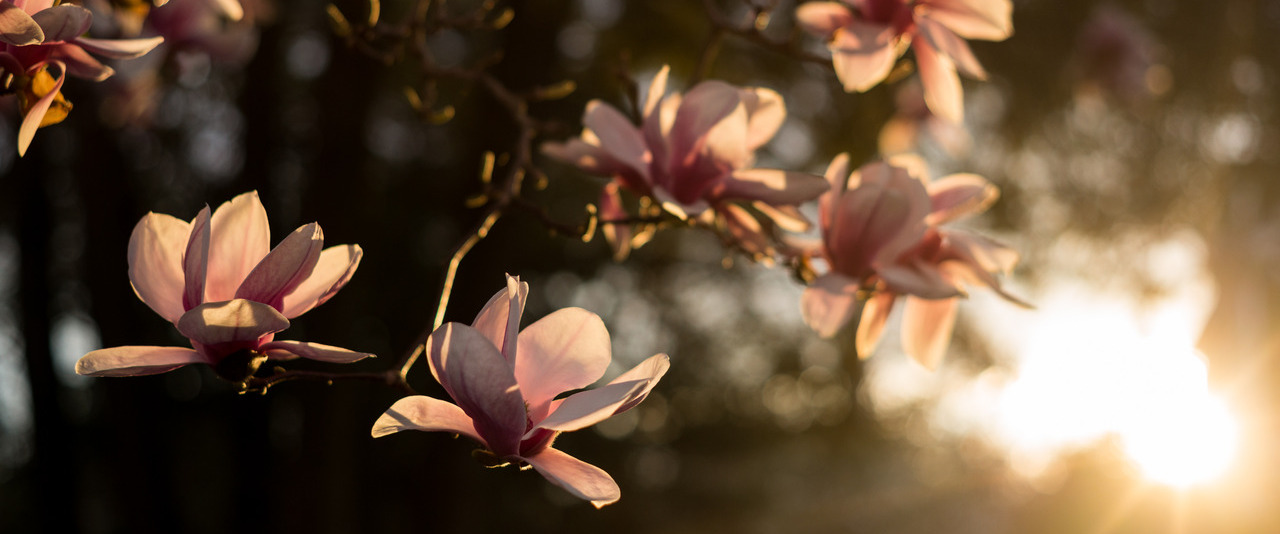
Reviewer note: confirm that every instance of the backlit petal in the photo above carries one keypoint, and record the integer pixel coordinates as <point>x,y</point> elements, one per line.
<point>618,137</point>
<point>314,351</point>
<point>765,114</point>
<point>956,196</point>
<point>942,91</point>
<point>875,314</point>
<point>566,350</point>
<point>499,320</point>
<point>990,20</point>
<point>239,238</point>
<point>119,48</point>
<point>823,18</point>
<point>772,186</point>
<point>479,379</point>
<point>17,27</point>
<point>583,480</point>
<point>420,412</point>
<point>863,54</point>
<point>136,361</point>
<point>284,269</point>
<point>333,270</point>
<point>828,303</point>
<point>195,261</point>
<point>155,263</point>
<point>926,329</point>
<point>31,122</point>
<point>63,22</point>
<point>229,322</point>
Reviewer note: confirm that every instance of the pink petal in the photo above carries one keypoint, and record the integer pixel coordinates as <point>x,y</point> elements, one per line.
<point>333,270</point>
<point>942,91</point>
<point>618,137</point>
<point>17,27</point>
<point>284,268</point>
<point>119,48</point>
<point>919,277</point>
<point>195,261</point>
<point>586,408</point>
<point>877,219</point>
<point>708,137</point>
<point>31,122</point>
<point>952,46</point>
<point>479,379</point>
<point>875,313</point>
<point>583,480</point>
<point>823,18</point>
<point>239,238</point>
<point>312,351</point>
<point>959,195</point>
<point>746,230</point>
<point>828,303</point>
<point>989,20</point>
<point>63,22</point>
<point>231,322</point>
<point>771,186</point>
<point>228,8</point>
<point>590,158</point>
<point>136,361</point>
<point>499,320</point>
<point>155,263</point>
<point>837,177</point>
<point>788,218</point>
<point>420,412</point>
<point>926,329</point>
<point>657,89</point>
<point>566,350</point>
<point>765,114</point>
<point>863,54</point>
<point>651,370</point>
<point>80,64</point>
<point>618,235</point>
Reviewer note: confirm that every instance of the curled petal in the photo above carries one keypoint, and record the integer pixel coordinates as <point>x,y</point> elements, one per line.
<point>35,116</point>
<point>333,270</point>
<point>231,322</point>
<point>772,186</point>
<point>583,480</point>
<point>919,277</point>
<point>480,380</point>
<point>959,195</point>
<point>566,350</point>
<point>63,22</point>
<point>136,361</point>
<point>311,351</point>
<point>828,303</point>
<point>863,54</point>
<point>942,91</point>
<point>239,238</point>
<point>926,329</point>
<point>823,18</point>
<point>119,48</point>
<point>17,27</point>
<point>989,20</point>
<point>499,320</point>
<point>284,268</point>
<point>155,263</point>
<point>875,313</point>
<point>420,412</point>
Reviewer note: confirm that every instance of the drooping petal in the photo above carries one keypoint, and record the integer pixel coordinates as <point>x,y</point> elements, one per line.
<point>956,196</point>
<point>765,114</point>
<point>239,238</point>
<point>63,22</point>
<point>17,27</point>
<point>566,350</point>
<point>828,303</point>
<point>618,136</point>
<point>119,48</point>
<point>420,412</point>
<point>988,20</point>
<point>80,64</point>
<point>284,268</point>
<point>35,116</point>
<point>583,480</point>
<point>942,91</point>
<point>926,329</point>
<point>863,54</point>
<point>875,313</point>
<point>823,18</point>
<point>481,381</point>
<point>771,186</point>
<point>155,263</point>
<point>231,322</point>
<point>136,361</point>
<point>312,351</point>
<point>333,270</point>
<point>951,45</point>
<point>195,261</point>
<point>499,320</point>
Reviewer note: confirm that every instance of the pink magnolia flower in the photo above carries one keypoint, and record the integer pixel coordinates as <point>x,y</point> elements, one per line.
<point>882,236</point>
<point>35,34</point>
<point>507,387</point>
<point>693,154</point>
<point>867,42</point>
<point>216,281</point>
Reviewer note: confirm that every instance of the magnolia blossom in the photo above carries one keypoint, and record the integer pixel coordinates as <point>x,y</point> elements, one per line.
<point>35,34</point>
<point>867,40</point>
<point>216,281</point>
<point>693,154</point>
<point>508,385</point>
<point>881,235</point>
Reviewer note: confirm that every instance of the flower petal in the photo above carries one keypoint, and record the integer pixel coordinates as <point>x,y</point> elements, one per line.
<point>623,393</point>
<point>863,54</point>
<point>136,361</point>
<point>951,45</point>
<point>80,64</point>
<point>875,313</point>
<point>63,22</point>
<point>652,369</point>
<point>155,263</point>
<point>499,320</point>
<point>823,18</point>
<point>765,114</point>
<point>611,209</point>
<point>566,350</point>
<point>195,261</point>
<point>617,136</point>
<point>229,322</point>
<point>591,158</point>
<point>746,230</point>
<point>959,195</point>
<point>481,381</point>
<point>989,20</point>
<point>284,268</point>
<point>312,351</point>
<point>31,122</point>
<point>828,303</point>
<point>17,27</point>
<point>942,91</point>
<point>420,412</point>
<point>772,186</point>
<point>657,89</point>
<point>926,329</point>
<point>239,238</point>
<point>837,177</point>
<point>333,270</point>
<point>119,48</point>
<point>583,480</point>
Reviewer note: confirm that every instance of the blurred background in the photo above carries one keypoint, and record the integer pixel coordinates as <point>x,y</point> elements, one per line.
<point>1131,141</point>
